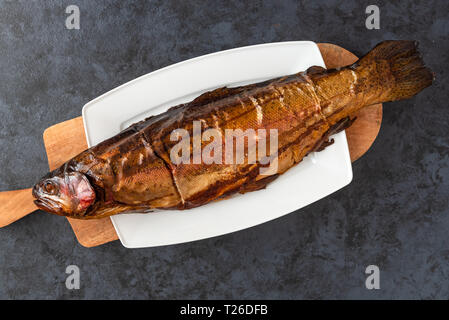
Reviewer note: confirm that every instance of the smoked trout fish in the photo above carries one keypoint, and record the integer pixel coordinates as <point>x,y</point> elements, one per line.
<point>146,167</point>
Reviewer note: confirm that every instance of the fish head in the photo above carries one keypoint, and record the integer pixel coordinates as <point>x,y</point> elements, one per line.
<point>64,193</point>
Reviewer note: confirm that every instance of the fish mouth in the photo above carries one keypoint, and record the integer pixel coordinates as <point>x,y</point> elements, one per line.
<point>44,203</point>
<point>48,205</point>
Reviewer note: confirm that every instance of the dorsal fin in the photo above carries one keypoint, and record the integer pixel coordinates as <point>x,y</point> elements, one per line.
<point>219,94</point>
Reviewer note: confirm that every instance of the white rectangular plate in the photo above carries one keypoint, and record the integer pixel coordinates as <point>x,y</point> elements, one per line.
<point>317,176</point>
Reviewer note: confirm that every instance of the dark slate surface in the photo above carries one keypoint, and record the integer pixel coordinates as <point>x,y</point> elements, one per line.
<point>394,213</point>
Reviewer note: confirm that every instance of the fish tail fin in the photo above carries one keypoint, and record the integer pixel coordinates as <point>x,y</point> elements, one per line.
<point>397,67</point>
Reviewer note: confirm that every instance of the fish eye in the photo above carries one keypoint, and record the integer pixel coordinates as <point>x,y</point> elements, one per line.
<point>50,187</point>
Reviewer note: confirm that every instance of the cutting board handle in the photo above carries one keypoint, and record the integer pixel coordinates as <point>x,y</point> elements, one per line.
<point>14,205</point>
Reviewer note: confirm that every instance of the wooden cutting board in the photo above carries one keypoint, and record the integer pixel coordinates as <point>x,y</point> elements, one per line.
<point>66,139</point>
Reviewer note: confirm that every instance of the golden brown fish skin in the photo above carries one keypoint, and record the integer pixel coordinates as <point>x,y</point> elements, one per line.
<point>283,105</point>
<point>133,170</point>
